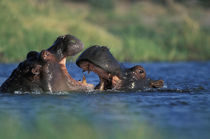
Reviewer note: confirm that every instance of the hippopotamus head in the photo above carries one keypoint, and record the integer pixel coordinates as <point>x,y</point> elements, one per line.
<point>26,77</point>
<point>112,74</point>
<point>46,70</point>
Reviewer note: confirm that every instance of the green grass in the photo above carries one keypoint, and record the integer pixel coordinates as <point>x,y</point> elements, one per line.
<point>140,31</point>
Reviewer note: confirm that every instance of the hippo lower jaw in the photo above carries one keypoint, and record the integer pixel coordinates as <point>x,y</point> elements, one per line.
<point>62,80</point>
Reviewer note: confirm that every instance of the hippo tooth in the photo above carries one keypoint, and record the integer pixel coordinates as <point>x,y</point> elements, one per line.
<point>84,81</point>
<point>101,86</point>
<point>133,85</point>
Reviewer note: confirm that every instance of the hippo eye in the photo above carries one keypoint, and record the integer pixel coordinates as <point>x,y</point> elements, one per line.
<point>141,71</point>
<point>73,41</point>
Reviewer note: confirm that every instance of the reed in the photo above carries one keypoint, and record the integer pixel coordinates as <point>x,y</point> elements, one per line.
<point>140,31</point>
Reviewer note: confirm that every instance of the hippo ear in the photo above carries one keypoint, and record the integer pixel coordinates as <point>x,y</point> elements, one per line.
<point>32,54</point>
<point>36,70</point>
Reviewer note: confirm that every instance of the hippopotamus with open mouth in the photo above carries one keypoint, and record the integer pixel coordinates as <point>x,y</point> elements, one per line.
<point>46,71</point>
<point>112,74</point>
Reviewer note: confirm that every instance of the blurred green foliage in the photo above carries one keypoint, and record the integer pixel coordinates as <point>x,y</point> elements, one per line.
<point>99,4</point>
<point>134,30</point>
<point>67,126</point>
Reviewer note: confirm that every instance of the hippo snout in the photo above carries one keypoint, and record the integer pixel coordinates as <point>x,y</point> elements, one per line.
<point>67,45</point>
<point>74,45</point>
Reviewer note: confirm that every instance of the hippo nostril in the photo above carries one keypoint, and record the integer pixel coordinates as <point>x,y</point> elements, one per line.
<point>61,37</point>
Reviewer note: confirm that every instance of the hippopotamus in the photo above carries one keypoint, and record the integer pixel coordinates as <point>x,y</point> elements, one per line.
<point>46,71</point>
<point>112,74</point>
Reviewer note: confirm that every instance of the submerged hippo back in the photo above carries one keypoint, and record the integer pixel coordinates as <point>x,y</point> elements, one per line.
<point>101,56</point>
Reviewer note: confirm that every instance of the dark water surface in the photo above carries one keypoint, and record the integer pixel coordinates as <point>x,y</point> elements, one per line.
<point>180,110</point>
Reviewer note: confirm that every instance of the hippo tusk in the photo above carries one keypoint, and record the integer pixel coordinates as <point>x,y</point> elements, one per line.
<point>84,81</point>
<point>101,86</point>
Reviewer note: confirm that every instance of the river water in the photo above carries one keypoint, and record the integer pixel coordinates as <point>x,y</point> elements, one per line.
<point>179,110</point>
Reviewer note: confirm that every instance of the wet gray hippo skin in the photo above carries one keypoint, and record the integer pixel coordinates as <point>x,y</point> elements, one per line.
<point>112,74</point>
<point>46,70</point>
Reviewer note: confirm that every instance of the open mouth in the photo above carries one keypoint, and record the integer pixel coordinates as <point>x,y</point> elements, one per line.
<point>112,74</point>
<point>100,61</point>
<point>104,77</point>
<point>55,64</point>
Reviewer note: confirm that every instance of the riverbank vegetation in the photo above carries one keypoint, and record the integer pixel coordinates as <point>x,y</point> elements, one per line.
<point>134,30</point>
